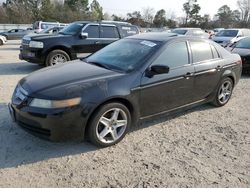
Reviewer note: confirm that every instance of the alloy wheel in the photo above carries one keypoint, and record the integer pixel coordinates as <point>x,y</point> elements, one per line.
<point>112,125</point>
<point>58,59</point>
<point>225,92</point>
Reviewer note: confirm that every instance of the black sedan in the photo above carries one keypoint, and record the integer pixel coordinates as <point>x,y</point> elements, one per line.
<point>242,48</point>
<point>133,79</point>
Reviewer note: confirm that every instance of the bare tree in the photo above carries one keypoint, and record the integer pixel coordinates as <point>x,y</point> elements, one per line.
<point>148,15</point>
<point>244,6</point>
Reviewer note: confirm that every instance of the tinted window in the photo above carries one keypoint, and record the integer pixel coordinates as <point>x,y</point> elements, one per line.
<point>129,30</point>
<point>109,32</point>
<point>215,52</point>
<point>72,29</point>
<point>227,33</point>
<point>175,55</point>
<point>180,31</point>
<point>201,51</point>
<point>243,43</point>
<point>93,31</point>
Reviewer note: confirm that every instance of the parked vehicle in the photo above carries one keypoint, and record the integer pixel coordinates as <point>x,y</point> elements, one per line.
<point>217,30</point>
<point>14,34</point>
<point>52,30</point>
<point>242,47</point>
<point>78,37</point>
<point>195,32</point>
<point>39,26</point>
<point>3,40</point>
<point>105,94</point>
<point>227,36</point>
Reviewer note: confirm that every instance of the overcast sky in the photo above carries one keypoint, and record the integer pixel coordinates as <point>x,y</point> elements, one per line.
<point>124,6</point>
<point>121,7</point>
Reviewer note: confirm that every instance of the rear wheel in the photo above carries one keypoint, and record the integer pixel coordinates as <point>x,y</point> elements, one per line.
<point>57,57</point>
<point>1,42</point>
<point>224,92</point>
<point>109,124</point>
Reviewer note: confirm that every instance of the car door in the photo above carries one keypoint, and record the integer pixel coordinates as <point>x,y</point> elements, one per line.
<point>207,67</point>
<point>89,44</point>
<point>109,33</point>
<point>168,91</point>
<point>12,34</point>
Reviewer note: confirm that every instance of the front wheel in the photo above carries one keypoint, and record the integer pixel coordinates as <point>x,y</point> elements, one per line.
<point>109,124</point>
<point>224,92</point>
<point>57,57</point>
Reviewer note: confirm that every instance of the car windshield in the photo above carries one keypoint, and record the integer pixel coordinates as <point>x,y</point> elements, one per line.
<point>227,33</point>
<point>124,55</point>
<point>180,31</point>
<point>47,30</point>
<point>72,29</point>
<point>244,43</point>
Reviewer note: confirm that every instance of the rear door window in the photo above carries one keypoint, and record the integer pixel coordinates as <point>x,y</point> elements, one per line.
<point>109,32</point>
<point>201,51</point>
<point>93,31</point>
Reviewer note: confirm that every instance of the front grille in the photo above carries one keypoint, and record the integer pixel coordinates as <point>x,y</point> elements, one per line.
<point>35,130</point>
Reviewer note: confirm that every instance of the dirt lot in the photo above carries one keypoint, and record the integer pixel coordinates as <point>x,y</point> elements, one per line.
<point>202,147</point>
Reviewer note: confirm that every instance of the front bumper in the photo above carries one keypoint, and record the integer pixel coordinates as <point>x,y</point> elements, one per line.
<point>31,55</point>
<point>54,125</point>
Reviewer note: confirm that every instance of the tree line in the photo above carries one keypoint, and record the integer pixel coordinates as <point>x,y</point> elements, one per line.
<point>29,11</point>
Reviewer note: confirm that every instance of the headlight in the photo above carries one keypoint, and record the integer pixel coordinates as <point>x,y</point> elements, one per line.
<point>35,44</point>
<point>42,103</point>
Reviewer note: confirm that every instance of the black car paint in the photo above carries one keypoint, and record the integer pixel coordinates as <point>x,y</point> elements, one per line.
<point>144,96</point>
<point>245,56</point>
<point>71,44</point>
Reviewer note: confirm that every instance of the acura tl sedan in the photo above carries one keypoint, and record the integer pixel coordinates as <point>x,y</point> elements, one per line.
<point>102,96</point>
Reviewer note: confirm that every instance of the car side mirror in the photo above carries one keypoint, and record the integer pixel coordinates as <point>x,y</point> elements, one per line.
<point>156,70</point>
<point>84,35</point>
<point>239,36</point>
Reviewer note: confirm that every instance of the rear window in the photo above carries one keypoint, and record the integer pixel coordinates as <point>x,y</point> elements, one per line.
<point>180,31</point>
<point>129,30</point>
<point>243,43</point>
<point>201,51</point>
<point>227,33</point>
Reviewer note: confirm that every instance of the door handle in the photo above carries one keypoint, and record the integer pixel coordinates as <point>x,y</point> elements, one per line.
<point>218,68</point>
<point>97,42</point>
<point>188,75</point>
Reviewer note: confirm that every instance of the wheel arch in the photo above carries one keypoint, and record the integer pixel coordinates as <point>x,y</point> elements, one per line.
<point>131,107</point>
<point>230,74</point>
<point>59,47</point>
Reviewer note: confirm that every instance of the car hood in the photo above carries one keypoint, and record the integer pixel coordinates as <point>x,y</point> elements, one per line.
<point>45,36</point>
<point>59,78</point>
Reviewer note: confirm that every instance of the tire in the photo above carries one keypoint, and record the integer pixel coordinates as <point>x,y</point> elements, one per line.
<point>57,57</point>
<point>223,92</point>
<point>114,126</point>
<point>1,42</point>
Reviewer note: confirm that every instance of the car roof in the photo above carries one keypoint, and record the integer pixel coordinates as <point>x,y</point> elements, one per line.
<point>105,22</point>
<point>187,28</point>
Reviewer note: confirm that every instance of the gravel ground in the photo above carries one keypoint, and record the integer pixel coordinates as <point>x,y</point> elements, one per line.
<point>202,147</point>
